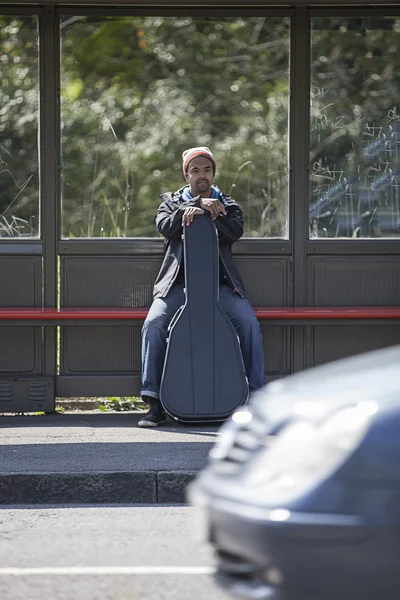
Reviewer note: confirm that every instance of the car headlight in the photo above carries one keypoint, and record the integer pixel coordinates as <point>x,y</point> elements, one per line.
<point>307,451</point>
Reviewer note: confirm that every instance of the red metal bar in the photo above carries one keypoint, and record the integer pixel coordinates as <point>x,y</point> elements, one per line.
<point>138,314</point>
<point>334,312</point>
<point>72,314</point>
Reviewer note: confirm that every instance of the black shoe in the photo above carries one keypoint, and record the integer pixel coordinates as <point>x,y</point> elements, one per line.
<point>154,417</point>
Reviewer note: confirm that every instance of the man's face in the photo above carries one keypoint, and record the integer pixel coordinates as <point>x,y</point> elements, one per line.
<point>200,176</point>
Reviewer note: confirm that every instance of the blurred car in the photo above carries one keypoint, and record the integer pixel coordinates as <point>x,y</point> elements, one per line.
<point>301,497</point>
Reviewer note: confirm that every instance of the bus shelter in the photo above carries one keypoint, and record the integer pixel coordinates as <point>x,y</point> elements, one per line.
<point>300,105</point>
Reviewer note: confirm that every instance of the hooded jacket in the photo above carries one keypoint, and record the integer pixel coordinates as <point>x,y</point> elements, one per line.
<point>169,224</point>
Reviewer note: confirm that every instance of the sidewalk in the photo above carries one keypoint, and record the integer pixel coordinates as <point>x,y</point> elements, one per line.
<point>98,458</point>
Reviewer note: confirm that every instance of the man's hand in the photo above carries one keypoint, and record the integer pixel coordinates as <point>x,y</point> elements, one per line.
<point>214,206</point>
<point>190,213</point>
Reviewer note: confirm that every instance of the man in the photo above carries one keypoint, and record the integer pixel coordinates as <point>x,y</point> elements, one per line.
<point>178,210</point>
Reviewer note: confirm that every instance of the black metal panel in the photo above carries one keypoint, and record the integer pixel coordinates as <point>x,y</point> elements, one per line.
<point>21,281</point>
<point>354,281</point>
<point>262,246</point>
<point>332,343</point>
<point>98,385</point>
<point>266,279</point>
<point>101,350</point>
<point>353,247</point>
<point>20,350</point>
<point>351,281</point>
<point>18,247</point>
<point>26,394</point>
<point>276,343</point>
<point>111,247</point>
<point>112,282</point>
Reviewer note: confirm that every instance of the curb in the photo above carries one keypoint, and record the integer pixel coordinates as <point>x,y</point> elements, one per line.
<point>139,487</point>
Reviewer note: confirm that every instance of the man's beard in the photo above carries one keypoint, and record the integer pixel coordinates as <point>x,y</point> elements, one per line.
<point>203,186</point>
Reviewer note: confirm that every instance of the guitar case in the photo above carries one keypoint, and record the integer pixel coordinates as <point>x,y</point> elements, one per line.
<point>203,377</point>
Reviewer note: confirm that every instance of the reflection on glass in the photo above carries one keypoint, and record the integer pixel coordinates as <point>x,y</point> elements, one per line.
<point>19,164</point>
<point>138,91</point>
<point>355,128</point>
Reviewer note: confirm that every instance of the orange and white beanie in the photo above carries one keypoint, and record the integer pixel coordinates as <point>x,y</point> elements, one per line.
<point>192,153</point>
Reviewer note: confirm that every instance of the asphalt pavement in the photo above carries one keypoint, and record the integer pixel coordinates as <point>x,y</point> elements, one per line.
<point>98,458</point>
<point>104,553</point>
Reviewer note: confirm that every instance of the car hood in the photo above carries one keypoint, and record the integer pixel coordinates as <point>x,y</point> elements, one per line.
<point>312,394</point>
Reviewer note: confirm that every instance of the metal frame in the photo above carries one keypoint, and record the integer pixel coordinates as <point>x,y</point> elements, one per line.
<point>363,8</point>
<point>26,248</point>
<point>114,246</point>
<point>50,172</point>
<point>197,3</point>
<point>174,10</point>
<point>16,9</point>
<point>132,246</point>
<point>299,168</point>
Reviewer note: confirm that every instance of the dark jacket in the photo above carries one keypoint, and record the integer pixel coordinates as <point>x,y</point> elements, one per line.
<point>169,224</point>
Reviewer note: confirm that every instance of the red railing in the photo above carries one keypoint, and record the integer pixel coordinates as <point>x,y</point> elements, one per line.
<point>138,314</point>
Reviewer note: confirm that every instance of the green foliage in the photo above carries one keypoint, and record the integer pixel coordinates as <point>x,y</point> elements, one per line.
<point>153,86</point>
<point>136,91</point>
<point>19,93</point>
<point>120,404</point>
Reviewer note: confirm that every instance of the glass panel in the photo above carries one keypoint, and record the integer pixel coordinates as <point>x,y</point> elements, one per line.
<point>355,128</point>
<point>137,91</point>
<point>19,109</point>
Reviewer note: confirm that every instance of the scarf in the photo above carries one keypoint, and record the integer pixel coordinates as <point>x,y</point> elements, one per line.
<point>186,195</point>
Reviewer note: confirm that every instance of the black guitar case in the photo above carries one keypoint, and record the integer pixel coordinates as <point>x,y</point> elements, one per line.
<point>203,377</point>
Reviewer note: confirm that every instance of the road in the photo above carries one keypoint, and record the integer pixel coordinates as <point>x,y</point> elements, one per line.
<point>103,553</point>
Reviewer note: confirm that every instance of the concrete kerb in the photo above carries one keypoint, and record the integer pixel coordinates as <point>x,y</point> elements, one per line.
<point>140,487</point>
<point>98,458</point>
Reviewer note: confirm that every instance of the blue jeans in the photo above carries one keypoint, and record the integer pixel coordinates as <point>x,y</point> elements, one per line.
<point>155,328</point>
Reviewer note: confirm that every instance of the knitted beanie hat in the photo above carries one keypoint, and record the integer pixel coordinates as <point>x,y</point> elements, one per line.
<point>192,153</point>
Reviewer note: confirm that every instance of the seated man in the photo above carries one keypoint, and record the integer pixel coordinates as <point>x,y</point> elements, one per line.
<point>178,210</point>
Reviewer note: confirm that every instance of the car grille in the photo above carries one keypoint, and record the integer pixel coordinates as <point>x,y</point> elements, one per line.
<point>240,444</point>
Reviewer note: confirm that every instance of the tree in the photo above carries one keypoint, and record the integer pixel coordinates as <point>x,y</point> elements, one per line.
<point>138,91</point>
<point>19,164</point>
